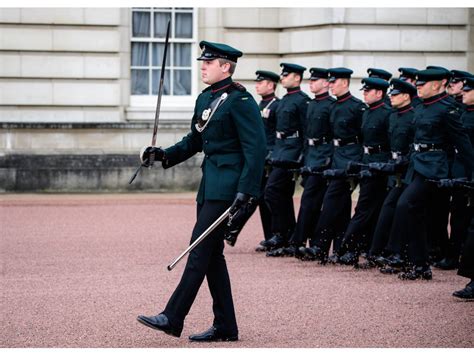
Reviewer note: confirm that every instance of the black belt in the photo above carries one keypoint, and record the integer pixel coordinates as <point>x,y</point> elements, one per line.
<point>375,149</point>
<point>318,141</point>
<point>397,155</point>
<point>283,135</point>
<point>341,142</point>
<point>428,147</point>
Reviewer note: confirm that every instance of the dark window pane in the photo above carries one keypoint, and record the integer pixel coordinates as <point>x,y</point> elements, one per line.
<point>140,82</point>
<point>157,54</point>
<point>156,82</point>
<point>161,23</point>
<point>182,55</point>
<point>141,24</point>
<point>184,25</point>
<point>140,54</point>
<point>182,82</point>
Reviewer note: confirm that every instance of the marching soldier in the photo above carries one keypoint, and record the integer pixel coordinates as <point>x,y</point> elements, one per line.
<point>346,120</point>
<point>228,128</point>
<point>455,86</point>
<point>409,75</point>
<point>437,125</point>
<point>291,114</point>
<point>466,268</point>
<point>373,188</point>
<point>461,208</point>
<point>317,155</point>
<point>401,132</point>
<point>265,86</point>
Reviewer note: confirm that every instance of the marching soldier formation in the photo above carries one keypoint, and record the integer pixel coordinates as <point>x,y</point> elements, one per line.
<point>407,146</point>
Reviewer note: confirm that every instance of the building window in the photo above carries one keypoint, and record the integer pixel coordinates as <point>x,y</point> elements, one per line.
<point>148,42</point>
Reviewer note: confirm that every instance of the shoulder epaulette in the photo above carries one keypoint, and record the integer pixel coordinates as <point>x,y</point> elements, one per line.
<point>238,86</point>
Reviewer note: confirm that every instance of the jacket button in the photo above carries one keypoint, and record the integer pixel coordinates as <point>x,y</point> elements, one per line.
<point>206,142</point>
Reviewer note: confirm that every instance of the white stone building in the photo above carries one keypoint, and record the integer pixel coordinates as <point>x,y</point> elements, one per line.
<point>77,85</point>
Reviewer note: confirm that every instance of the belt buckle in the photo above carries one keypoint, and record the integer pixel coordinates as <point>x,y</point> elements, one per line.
<point>336,142</point>
<point>366,150</point>
<point>311,141</point>
<point>394,155</point>
<point>279,135</point>
<point>416,146</point>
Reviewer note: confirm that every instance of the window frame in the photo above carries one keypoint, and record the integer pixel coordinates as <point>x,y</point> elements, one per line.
<point>167,100</point>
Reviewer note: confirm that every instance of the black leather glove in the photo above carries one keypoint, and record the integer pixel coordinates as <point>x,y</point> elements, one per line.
<point>147,151</point>
<point>241,210</point>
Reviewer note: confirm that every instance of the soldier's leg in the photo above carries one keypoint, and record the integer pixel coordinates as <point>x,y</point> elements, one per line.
<point>310,209</point>
<point>198,262</point>
<point>437,229</point>
<point>220,289</point>
<point>384,222</point>
<point>371,195</point>
<point>265,214</point>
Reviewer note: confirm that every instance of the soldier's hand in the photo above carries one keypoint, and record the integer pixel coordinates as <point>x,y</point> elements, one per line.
<point>145,153</point>
<point>240,211</point>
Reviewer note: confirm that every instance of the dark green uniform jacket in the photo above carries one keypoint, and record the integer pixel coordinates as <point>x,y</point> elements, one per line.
<point>375,125</point>
<point>268,107</point>
<point>467,120</point>
<point>438,126</point>
<point>346,120</point>
<point>291,116</point>
<point>318,146</point>
<point>401,132</point>
<point>233,143</point>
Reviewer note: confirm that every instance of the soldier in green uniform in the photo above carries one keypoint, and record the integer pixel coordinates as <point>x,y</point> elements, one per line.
<point>317,155</point>
<point>346,120</point>
<point>228,128</point>
<point>437,125</point>
<point>409,75</point>
<point>401,132</point>
<point>291,115</point>
<point>265,86</point>
<point>373,188</point>
<point>461,209</point>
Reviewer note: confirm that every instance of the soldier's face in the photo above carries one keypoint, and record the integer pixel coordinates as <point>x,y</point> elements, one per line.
<point>399,100</point>
<point>372,95</point>
<point>339,87</point>
<point>212,71</point>
<point>264,87</point>
<point>428,89</point>
<point>290,81</point>
<point>318,86</point>
<point>455,88</point>
<point>468,97</point>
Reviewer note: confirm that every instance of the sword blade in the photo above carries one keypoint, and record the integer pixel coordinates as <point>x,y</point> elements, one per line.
<point>200,238</point>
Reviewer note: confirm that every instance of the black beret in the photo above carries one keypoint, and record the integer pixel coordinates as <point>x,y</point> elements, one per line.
<point>212,50</point>
<point>336,73</point>
<point>288,68</point>
<point>374,83</point>
<point>423,76</point>
<point>318,73</point>
<point>267,75</point>
<point>398,86</point>
<point>379,73</point>
<point>407,73</point>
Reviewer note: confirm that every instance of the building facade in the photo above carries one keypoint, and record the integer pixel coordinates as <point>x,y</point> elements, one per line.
<point>78,86</point>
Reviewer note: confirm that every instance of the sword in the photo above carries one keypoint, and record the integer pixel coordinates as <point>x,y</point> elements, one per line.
<point>151,159</point>
<point>200,238</point>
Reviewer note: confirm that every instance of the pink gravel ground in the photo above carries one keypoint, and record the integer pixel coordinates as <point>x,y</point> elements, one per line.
<point>76,270</point>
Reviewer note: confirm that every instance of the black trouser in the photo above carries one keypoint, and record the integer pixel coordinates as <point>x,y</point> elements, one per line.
<point>206,260</point>
<point>410,219</point>
<point>265,215</point>
<point>310,209</point>
<point>466,266</point>
<point>335,215</point>
<point>358,235</point>
<point>437,229</point>
<point>381,236</point>
<point>462,211</point>
<point>279,198</point>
